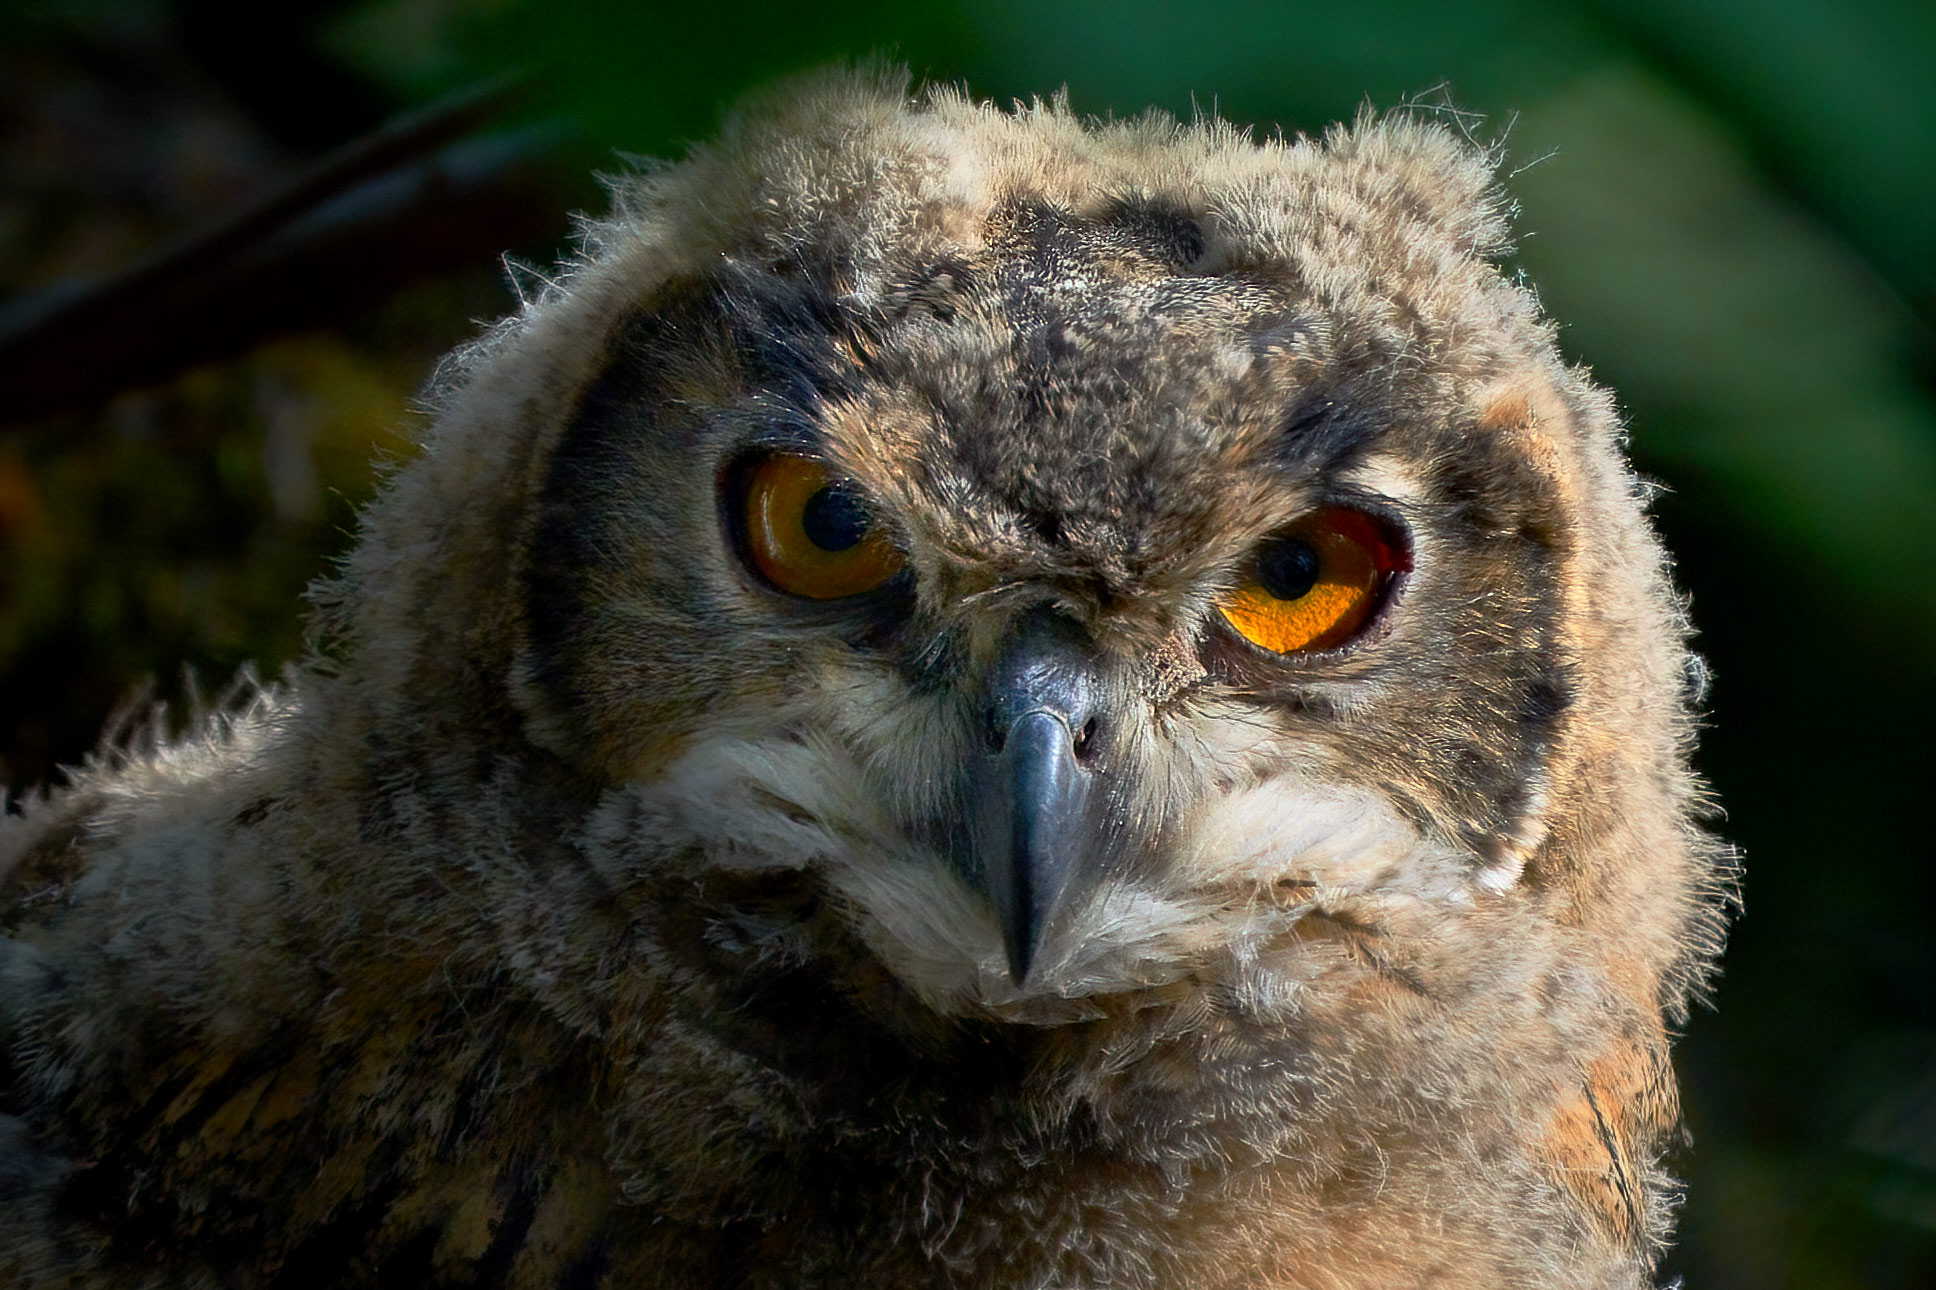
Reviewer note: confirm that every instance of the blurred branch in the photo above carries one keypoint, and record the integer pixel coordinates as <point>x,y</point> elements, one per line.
<point>413,200</point>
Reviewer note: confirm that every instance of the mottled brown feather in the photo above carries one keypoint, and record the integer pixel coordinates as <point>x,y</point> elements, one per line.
<point>587,912</point>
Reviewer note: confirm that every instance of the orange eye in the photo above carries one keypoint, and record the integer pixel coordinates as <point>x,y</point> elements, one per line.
<point>1313,585</point>
<point>809,534</point>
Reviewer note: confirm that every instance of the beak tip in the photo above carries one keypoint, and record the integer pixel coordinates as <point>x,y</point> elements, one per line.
<point>1021,957</point>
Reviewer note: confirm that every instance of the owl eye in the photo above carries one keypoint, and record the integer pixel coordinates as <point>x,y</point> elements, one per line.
<point>809,533</point>
<point>1313,585</point>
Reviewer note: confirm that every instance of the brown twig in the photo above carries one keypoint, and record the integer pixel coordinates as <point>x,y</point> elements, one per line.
<point>416,198</point>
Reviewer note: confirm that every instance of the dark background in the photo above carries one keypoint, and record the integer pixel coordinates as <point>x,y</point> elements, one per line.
<point>213,316</point>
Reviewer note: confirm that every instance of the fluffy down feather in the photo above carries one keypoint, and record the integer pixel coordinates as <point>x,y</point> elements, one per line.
<point>587,912</point>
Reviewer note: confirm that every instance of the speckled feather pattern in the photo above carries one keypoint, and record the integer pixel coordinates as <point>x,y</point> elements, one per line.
<point>584,911</point>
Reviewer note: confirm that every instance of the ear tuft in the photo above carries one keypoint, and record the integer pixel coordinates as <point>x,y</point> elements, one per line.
<point>1431,172</point>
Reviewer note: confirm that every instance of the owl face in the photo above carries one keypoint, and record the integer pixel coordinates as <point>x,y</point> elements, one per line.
<point>1080,602</point>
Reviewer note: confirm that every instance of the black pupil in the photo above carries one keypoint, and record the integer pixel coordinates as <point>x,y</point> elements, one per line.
<point>833,519</point>
<point>1287,568</point>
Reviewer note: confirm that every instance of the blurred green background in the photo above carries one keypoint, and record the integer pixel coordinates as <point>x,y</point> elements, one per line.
<point>217,305</point>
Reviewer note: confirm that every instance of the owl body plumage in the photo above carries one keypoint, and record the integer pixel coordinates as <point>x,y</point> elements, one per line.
<point>591,911</point>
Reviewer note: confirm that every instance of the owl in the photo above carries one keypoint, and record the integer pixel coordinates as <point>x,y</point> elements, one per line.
<point>968,699</point>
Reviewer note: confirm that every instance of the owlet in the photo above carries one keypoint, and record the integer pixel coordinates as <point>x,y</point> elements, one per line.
<point>971,699</point>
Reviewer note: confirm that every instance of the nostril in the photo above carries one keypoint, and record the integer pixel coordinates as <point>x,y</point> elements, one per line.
<point>1082,741</point>
<point>994,734</point>
<point>1085,739</point>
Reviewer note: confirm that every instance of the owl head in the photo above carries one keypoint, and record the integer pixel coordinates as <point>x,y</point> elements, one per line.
<point>1097,557</point>
<point>968,698</point>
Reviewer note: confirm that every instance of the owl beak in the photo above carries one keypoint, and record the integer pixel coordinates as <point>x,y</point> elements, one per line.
<point>1037,786</point>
